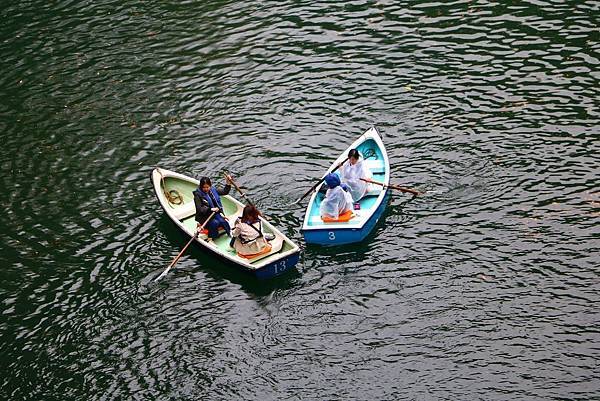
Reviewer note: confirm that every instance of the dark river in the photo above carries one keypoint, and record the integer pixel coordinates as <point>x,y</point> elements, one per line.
<point>485,288</point>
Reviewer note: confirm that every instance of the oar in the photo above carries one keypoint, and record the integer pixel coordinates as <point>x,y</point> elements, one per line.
<point>318,182</point>
<point>392,186</point>
<point>184,248</point>
<point>230,179</point>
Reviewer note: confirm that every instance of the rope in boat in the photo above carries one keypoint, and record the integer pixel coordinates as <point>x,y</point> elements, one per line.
<point>173,196</point>
<point>370,152</point>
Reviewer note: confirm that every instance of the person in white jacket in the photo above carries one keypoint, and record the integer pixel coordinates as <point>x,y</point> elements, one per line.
<point>248,236</point>
<point>351,173</point>
<point>337,201</point>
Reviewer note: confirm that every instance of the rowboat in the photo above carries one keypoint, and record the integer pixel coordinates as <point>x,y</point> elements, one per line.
<point>174,193</point>
<point>370,207</point>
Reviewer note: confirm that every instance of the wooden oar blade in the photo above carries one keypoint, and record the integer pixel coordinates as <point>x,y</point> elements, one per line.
<point>306,194</point>
<point>403,189</point>
<point>164,273</point>
<point>302,197</point>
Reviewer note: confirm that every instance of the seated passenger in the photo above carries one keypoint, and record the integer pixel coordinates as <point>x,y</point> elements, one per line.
<point>248,237</point>
<point>337,201</point>
<point>351,173</point>
<point>207,200</point>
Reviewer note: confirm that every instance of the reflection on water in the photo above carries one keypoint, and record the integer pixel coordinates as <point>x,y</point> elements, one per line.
<point>483,287</point>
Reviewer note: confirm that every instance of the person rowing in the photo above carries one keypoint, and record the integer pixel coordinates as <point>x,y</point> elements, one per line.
<point>207,199</point>
<point>352,173</point>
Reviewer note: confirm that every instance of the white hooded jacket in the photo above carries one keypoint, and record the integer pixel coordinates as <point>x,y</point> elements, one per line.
<point>351,175</point>
<point>336,202</point>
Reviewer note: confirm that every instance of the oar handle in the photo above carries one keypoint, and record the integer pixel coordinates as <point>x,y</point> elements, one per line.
<point>184,248</point>
<point>205,222</point>
<point>392,186</point>
<point>237,188</point>
<point>320,181</point>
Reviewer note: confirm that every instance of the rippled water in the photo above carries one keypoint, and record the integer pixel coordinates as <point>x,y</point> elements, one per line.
<point>484,288</point>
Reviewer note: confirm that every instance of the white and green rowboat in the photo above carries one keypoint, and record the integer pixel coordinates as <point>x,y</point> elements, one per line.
<point>174,193</point>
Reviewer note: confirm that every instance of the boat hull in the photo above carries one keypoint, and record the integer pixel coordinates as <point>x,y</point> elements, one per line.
<point>343,236</point>
<point>367,211</point>
<point>276,268</point>
<point>271,270</point>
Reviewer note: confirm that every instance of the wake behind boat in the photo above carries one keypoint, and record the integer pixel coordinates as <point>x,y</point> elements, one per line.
<point>370,207</point>
<point>174,193</point>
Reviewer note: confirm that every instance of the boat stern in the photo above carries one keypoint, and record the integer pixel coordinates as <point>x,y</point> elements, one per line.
<point>278,267</point>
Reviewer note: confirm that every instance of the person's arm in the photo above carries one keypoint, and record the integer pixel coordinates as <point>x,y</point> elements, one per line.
<point>237,229</point>
<point>201,208</point>
<point>225,190</point>
<point>342,171</point>
<point>366,172</point>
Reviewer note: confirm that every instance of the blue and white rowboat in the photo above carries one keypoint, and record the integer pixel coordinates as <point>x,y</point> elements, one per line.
<point>372,205</point>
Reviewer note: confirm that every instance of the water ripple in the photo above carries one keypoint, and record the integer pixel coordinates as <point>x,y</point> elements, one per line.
<point>491,108</point>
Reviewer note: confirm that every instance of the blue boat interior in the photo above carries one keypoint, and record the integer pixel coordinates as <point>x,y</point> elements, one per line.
<point>372,154</point>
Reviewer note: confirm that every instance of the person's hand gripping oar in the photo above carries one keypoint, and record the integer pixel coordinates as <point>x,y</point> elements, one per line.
<point>230,180</point>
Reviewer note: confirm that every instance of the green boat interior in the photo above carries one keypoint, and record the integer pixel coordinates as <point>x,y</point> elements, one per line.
<point>181,199</point>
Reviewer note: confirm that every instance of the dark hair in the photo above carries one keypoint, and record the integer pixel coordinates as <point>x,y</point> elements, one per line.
<point>250,214</point>
<point>354,154</point>
<point>205,180</point>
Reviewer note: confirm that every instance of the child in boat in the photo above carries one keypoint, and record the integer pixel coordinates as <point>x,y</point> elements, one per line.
<point>351,173</point>
<point>248,236</point>
<point>337,201</point>
<point>207,200</point>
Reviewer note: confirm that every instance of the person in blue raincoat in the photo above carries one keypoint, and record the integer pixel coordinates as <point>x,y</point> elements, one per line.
<point>207,200</point>
<point>337,198</point>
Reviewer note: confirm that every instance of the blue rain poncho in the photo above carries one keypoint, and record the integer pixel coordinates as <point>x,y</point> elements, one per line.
<point>351,175</point>
<point>336,200</point>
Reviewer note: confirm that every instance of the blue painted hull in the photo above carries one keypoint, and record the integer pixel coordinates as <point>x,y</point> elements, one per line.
<point>276,268</point>
<point>271,270</point>
<point>332,236</point>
